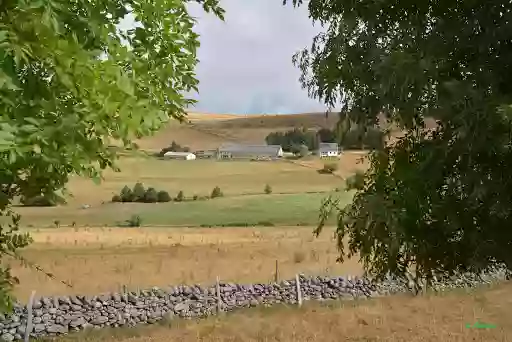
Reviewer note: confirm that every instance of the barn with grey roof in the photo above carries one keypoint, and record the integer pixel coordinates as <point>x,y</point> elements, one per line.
<point>238,151</point>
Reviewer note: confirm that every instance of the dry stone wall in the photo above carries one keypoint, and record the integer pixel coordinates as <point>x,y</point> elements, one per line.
<point>65,314</point>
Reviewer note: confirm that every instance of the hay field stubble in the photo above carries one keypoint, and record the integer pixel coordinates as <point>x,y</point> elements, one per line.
<point>198,177</point>
<point>96,260</point>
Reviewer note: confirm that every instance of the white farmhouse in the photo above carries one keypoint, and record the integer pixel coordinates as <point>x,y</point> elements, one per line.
<point>326,150</point>
<point>180,155</point>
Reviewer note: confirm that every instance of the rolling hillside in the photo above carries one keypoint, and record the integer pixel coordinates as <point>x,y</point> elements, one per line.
<point>209,131</point>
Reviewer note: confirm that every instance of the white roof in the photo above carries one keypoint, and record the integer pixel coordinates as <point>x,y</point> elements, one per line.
<point>177,154</point>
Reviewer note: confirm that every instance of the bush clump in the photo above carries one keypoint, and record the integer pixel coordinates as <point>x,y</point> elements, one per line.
<point>174,147</point>
<point>134,221</point>
<point>329,168</point>
<point>139,192</point>
<point>141,195</point>
<point>163,196</point>
<point>216,192</point>
<point>268,189</point>
<point>126,194</point>
<point>180,197</point>
<point>42,200</point>
<point>151,195</point>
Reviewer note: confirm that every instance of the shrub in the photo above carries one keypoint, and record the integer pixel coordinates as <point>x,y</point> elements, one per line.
<point>126,194</point>
<point>174,147</point>
<point>151,196</point>
<point>39,201</point>
<point>134,221</point>
<point>117,198</point>
<point>180,197</point>
<point>268,189</point>
<point>216,192</point>
<point>265,224</point>
<point>303,151</point>
<point>163,196</point>
<point>300,150</point>
<point>355,181</point>
<point>195,197</point>
<point>329,168</point>
<point>139,192</point>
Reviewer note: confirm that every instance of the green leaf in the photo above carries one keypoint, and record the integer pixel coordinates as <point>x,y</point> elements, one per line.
<point>69,84</point>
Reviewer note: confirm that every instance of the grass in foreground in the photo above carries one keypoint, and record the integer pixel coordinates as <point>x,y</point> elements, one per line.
<point>401,318</point>
<point>295,209</point>
<point>96,260</point>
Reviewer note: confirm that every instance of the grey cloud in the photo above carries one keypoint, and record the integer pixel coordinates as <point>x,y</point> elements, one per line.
<point>245,62</point>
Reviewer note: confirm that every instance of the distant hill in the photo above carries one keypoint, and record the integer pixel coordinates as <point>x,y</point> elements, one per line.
<point>209,131</point>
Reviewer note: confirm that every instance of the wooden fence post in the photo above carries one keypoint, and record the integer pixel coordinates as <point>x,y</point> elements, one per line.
<point>299,294</point>
<point>219,300</point>
<point>276,273</point>
<point>28,329</point>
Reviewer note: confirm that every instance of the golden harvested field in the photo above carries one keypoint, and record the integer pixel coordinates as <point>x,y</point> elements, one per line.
<point>96,260</point>
<point>348,163</point>
<point>209,131</point>
<point>184,135</point>
<point>202,116</point>
<point>431,318</point>
<point>201,176</point>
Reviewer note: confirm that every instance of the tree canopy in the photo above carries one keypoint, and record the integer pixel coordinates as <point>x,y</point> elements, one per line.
<point>71,81</point>
<point>356,138</point>
<point>439,199</point>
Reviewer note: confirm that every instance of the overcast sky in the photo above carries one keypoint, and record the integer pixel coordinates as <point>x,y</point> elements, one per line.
<point>246,61</point>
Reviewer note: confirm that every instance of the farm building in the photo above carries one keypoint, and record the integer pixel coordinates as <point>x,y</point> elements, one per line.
<point>205,154</point>
<point>326,150</point>
<point>180,155</point>
<point>234,151</point>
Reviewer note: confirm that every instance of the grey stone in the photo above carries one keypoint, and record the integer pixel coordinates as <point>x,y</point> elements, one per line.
<point>7,337</point>
<point>181,307</point>
<point>74,300</point>
<point>39,327</point>
<point>56,329</point>
<point>78,322</point>
<point>99,320</point>
<point>46,317</point>
<point>21,329</point>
